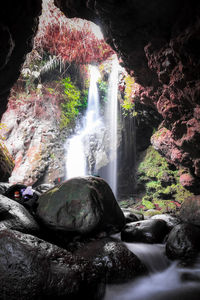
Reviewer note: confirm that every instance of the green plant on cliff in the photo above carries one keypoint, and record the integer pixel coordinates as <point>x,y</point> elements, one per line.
<point>2,126</point>
<point>161,182</point>
<point>128,104</point>
<point>74,103</point>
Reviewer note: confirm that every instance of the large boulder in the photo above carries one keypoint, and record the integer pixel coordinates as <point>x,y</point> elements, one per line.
<point>183,241</point>
<point>120,263</point>
<point>14,216</point>
<point>31,268</point>
<point>81,205</point>
<point>146,231</point>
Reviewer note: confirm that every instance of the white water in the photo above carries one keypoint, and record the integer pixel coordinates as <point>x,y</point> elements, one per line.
<point>75,153</point>
<point>112,112</point>
<point>163,281</point>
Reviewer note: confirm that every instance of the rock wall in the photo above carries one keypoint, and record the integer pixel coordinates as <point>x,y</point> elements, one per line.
<point>18,25</point>
<point>32,136</point>
<point>6,163</point>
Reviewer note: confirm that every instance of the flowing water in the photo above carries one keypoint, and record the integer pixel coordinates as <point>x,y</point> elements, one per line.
<point>75,149</point>
<point>164,281</point>
<point>112,113</point>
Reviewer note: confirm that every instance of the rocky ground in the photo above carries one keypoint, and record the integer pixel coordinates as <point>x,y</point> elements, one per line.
<point>64,248</point>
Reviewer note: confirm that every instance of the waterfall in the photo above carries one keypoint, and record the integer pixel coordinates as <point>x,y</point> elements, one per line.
<point>76,164</point>
<point>112,113</point>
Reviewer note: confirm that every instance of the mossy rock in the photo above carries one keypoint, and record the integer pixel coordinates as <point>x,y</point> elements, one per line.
<point>152,212</point>
<point>6,163</point>
<point>148,204</point>
<point>165,205</point>
<point>161,183</point>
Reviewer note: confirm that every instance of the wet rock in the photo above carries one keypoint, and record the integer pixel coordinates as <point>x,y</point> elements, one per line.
<point>147,231</point>
<point>31,268</point>
<point>190,210</point>
<point>119,263</point>
<point>14,216</point>
<point>42,188</point>
<point>81,205</point>
<point>151,212</point>
<point>170,220</point>
<point>130,216</point>
<point>3,187</point>
<point>183,241</point>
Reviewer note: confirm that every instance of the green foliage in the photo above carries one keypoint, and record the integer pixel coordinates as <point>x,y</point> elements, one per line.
<point>128,104</point>
<point>74,103</point>
<point>163,189</point>
<point>84,100</point>
<point>2,126</point>
<point>148,204</point>
<point>103,92</point>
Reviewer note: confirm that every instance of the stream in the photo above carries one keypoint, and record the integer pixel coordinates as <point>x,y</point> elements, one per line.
<point>165,280</point>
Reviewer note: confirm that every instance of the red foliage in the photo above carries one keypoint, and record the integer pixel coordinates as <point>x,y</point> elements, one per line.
<point>71,40</point>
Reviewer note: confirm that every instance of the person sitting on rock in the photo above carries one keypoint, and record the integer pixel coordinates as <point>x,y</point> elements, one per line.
<point>24,195</point>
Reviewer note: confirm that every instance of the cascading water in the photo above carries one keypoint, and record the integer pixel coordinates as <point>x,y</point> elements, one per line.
<point>163,282</point>
<point>75,146</point>
<point>112,113</point>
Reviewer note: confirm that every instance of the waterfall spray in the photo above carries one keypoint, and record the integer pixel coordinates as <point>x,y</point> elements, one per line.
<point>112,112</point>
<point>76,164</point>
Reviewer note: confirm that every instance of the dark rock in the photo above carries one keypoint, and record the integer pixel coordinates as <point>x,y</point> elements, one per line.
<point>170,220</point>
<point>183,241</point>
<point>14,216</point>
<point>31,268</point>
<point>18,25</point>
<point>81,205</point>
<point>119,263</point>
<point>131,217</point>
<point>42,188</point>
<point>3,187</point>
<point>147,231</point>
<point>190,210</point>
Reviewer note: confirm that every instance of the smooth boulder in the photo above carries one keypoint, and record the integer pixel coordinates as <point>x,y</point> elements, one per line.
<point>146,231</point>
<point>81,205</point>
<point>32,269</point>
<point>183,241</point>
<point>15,216</point>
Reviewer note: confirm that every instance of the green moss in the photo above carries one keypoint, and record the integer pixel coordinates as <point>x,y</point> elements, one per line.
<point>152,212</point>
<point>162,186</point>
<point>148,204</point>
<point>152,186</point>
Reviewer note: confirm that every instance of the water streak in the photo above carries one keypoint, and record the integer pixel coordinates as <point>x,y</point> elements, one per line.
<point>112,113</point>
